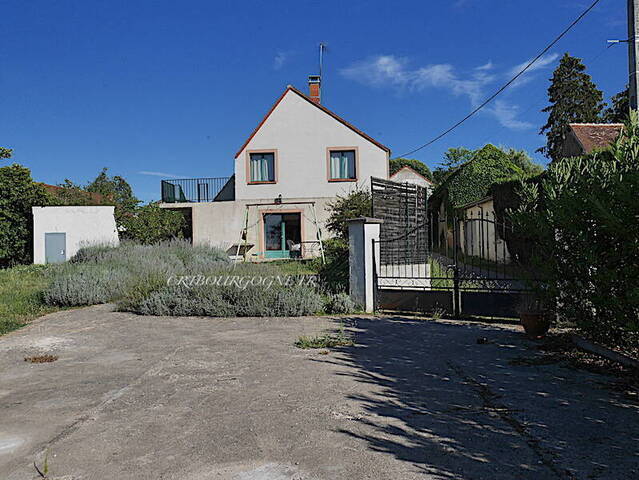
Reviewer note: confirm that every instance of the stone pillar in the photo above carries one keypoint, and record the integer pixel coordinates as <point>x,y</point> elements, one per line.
<point>361,233</point>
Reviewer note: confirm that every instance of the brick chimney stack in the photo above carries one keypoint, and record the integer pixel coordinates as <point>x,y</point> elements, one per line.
<point>314,84</point>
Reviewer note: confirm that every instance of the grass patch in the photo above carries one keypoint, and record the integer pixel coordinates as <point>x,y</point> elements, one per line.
<point>339,339</point>
<point>21,291</point>
<point>296,267</point>
<point>441,277</point>
<point>323,341</point>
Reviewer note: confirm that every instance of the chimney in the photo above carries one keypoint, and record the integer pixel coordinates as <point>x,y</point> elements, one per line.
<point>314,83</point>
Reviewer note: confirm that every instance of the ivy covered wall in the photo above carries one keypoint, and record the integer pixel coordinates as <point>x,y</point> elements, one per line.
<point>472,181</point>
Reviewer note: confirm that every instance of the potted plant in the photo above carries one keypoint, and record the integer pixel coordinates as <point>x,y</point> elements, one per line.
<point>535,316</point>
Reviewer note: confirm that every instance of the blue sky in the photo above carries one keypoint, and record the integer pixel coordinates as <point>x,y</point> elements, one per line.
<point>149,88</point>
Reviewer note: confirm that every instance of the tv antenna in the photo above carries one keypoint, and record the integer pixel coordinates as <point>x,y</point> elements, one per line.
<point>322,49</point>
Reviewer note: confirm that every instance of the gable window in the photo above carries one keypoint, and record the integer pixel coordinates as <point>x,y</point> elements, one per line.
<point>342,165</point>
<point>262,167</point>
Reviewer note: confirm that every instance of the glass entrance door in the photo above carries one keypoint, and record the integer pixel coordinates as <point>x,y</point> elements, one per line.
<point>281,230</point>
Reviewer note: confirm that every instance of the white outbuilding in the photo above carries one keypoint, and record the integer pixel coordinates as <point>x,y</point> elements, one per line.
<point>408,175</point>
<point>59,232</point>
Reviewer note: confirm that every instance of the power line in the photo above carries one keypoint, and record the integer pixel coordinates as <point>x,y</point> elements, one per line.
<point>537,104</point>
<point>509,83</point>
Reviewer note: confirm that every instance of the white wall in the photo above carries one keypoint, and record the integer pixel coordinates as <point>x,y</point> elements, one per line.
<point>361,233</point>
<point>478,238</point>
<point>301,132</point>
<point>219,224</point>
<point>83,226</point>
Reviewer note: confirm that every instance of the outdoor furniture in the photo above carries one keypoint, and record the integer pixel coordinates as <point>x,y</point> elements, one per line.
<point>172,193</point>
<point>310,248</point>
<point>237,251</point>
<point>295,249</point>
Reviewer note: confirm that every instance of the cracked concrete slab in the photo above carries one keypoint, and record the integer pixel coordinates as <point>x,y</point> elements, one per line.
<point>135,397</point>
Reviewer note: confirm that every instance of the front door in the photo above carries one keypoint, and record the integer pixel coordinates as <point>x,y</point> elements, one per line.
<point>281,230</point>
<point>55,247</point>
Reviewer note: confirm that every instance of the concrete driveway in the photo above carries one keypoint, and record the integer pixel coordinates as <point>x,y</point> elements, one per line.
<point>195,399</point>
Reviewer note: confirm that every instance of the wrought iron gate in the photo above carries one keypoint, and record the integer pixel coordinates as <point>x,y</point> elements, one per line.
<point>427,264</point>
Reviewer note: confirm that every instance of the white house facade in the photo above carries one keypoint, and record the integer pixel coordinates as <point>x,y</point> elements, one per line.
<point>298,159</point>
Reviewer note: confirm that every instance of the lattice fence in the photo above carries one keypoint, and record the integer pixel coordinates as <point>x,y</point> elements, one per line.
<point>404,233</point>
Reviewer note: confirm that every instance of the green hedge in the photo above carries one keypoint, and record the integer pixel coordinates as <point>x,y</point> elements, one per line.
<point>506,199</point>
<point>583,214</point>
<point>472,181</point>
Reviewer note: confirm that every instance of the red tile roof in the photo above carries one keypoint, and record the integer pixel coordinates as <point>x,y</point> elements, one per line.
<point>596,135</point>
<point>318,105</point>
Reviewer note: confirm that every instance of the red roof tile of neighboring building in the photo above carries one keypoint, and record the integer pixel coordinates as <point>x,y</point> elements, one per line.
<point>596,135</point>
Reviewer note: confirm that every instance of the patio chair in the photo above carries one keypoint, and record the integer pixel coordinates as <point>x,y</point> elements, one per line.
<point>295,249</point>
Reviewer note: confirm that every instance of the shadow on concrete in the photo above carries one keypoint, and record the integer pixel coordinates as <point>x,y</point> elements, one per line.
<point>454,408</point>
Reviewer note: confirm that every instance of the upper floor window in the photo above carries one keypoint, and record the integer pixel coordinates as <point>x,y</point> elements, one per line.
<point>262,167</point>
<point>342,165</point>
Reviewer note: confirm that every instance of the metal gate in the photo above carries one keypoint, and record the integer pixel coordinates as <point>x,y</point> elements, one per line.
<point>432,265</point>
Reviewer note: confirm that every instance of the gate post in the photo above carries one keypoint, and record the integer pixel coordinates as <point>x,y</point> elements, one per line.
<point>457,307</point>
<point>361,265</point>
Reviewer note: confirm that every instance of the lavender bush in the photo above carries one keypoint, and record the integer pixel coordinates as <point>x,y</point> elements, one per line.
<point>167,279</point>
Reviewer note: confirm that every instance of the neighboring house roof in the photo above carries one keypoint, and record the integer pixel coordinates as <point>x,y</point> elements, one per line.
<point>412,170</point>
<point>595,135</point>
<point>290,88</point>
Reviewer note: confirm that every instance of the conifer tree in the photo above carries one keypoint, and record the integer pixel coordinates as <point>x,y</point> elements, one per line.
<point>574,98</point>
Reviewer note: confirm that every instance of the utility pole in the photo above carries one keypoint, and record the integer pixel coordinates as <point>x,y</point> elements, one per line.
<point>633,51</point>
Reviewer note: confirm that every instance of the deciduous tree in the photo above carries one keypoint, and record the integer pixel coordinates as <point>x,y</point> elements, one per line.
<point>618,111</point>
<point>5,153</point>
<point>453,158</point>
<point>151,224</point>
<point>117,189</point>
<point>396,164</point>
<point>356,204</point>
<point>19,194</point>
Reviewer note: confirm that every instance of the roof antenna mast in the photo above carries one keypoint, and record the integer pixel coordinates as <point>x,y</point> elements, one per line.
<point>322,49</point>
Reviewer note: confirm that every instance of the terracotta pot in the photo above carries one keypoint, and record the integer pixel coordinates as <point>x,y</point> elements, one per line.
<point>536,324</point>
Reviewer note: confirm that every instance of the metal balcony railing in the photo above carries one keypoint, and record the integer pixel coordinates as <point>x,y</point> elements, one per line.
<point>196,190</point>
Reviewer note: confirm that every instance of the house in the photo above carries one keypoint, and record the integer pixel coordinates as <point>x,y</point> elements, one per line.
<point>407,174</point>
<point>59,232</point>
<point>480,232</point>
<point>583,138</point>
<point>298,158</point>
<point>467,184</point>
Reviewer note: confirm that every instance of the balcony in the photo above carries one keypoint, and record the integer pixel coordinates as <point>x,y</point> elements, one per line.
<point>198,190</point>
